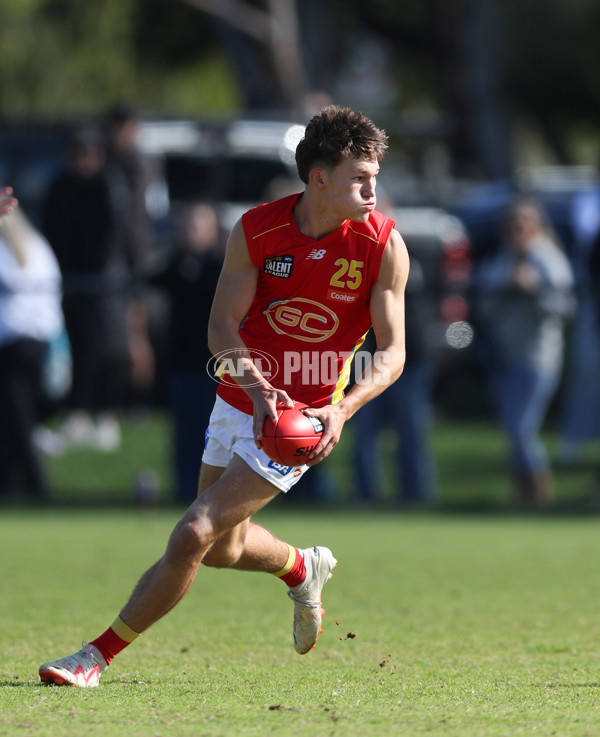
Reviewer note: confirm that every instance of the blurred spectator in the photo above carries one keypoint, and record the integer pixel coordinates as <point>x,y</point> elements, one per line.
<point>189,276</point>
<point>80,223</point>
<point>30,316</point>
<point>131,174</point>
<point>594,278</point>
<point>406,409</point>
<point>524,296</point>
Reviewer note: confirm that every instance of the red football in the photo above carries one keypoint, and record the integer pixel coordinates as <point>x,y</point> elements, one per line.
<point>289,440</point>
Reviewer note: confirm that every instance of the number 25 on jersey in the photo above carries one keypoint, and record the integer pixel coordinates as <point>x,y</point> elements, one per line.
<point>348,275</point>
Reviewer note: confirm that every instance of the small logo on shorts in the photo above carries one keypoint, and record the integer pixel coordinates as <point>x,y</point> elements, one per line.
<point>283,470</point>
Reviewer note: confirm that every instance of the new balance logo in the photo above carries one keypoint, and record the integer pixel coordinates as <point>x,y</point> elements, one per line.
<point>316,254</point>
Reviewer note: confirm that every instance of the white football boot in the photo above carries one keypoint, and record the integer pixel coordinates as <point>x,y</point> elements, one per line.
<point>82,669</point>
<point>308,611</point>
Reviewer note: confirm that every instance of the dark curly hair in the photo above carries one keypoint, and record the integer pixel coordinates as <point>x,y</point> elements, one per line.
<point>336,134</point>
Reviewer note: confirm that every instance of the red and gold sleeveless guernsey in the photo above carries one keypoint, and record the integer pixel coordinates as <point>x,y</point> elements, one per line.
<point>310,312</point>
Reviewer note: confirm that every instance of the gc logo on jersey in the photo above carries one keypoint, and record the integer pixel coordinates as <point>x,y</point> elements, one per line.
<point>280,266</point>
<point>302,318</point>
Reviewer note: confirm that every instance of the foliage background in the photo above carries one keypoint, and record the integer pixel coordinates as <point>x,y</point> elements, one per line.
<point>63,57</point>
<point>504,78</point>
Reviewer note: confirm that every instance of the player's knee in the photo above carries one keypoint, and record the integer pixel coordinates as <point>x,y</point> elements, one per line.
<point>223,554</point>
<point>191,539</point>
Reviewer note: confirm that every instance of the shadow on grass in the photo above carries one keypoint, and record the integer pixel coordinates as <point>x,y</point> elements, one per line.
<point>571,686</point>
<point>8,683</point>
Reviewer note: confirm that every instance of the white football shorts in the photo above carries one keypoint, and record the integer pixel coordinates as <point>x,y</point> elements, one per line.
<point>230,431</point>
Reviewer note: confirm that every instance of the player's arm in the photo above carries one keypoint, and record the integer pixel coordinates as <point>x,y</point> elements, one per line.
<point>233,296</point>
<point>387,316</point>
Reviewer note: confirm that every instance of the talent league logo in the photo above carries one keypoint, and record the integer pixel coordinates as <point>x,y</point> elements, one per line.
<point>280,266</point>
<point>226,365</point>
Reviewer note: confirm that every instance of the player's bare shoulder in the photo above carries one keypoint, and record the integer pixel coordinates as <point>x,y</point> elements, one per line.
<point>236,243</point>
<point>237,255</point>
<point>395,264</point>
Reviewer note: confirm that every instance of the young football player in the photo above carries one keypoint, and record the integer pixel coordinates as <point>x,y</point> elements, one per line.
<point>304,278</point>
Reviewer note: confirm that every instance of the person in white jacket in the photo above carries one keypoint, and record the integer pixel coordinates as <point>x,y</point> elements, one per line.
<point>30,315</point>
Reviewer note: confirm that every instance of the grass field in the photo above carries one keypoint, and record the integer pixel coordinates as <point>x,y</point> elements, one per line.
<point>449,621</point>
<point>470,457</point>
<point>436,624</point>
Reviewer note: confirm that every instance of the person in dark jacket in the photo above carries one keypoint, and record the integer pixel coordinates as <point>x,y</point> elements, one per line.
<point>189,277</point>
<point>80,223</point>
<point>406,409</point>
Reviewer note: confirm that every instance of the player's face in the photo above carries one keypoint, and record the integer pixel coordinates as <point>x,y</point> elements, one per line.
<point>351,189</point>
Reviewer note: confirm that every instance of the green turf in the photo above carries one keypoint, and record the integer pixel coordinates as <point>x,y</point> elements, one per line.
<point>470,457</point>
<point>437,624</point>
<point>452,621</point>
<point>83,476</point>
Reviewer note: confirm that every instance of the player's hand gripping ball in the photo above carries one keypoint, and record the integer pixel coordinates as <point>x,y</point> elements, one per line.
<point>292,437</point>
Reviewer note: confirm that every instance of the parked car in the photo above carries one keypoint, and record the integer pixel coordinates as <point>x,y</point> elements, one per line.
<point>237,165</point>
<point>232,164</point>
<point>440,249</point>
<point>481,207</point>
